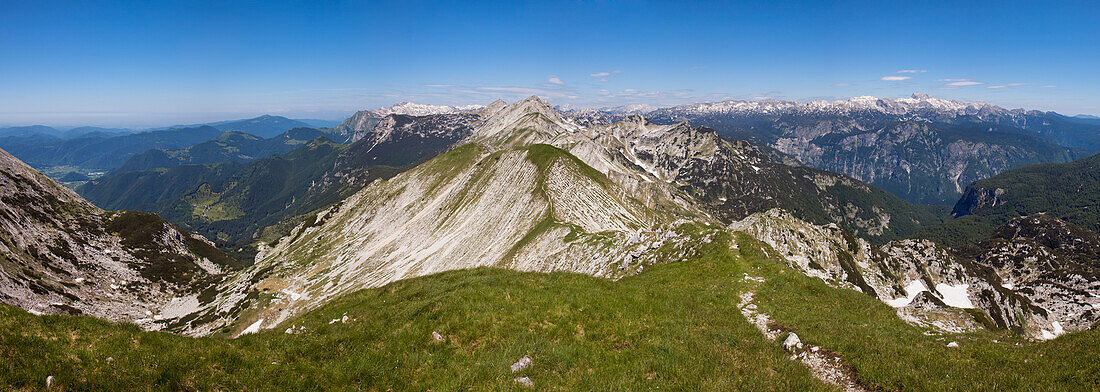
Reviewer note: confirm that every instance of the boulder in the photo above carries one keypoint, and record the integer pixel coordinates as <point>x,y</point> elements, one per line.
<point>521,364</point>
<point>792,342</point>
<point>525,381</point>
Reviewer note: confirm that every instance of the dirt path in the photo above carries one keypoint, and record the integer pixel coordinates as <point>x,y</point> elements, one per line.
<point>825,365</point>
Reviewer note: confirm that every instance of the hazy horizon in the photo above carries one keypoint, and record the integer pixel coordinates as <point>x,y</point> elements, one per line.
<point>151,65</point>
<point>195,119</point>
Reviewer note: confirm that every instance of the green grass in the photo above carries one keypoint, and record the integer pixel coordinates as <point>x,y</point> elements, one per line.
<point>676,326</point>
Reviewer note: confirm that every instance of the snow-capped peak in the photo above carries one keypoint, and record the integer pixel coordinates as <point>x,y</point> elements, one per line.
<point>640,108</point>
<point>417,109</point>
<point>915,105</point>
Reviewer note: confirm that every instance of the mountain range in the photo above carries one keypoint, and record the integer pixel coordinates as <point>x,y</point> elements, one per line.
<point>433,220</point>
<point>522,183</point>
<point>85,150</point>
<point>922,148</point>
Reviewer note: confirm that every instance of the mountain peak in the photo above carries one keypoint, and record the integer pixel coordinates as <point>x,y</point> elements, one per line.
<point>528,121</point>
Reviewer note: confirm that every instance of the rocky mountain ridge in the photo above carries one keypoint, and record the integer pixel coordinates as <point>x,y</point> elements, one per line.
<point>60,254</point>
<point>528,189</point>
<point>1036,275</point>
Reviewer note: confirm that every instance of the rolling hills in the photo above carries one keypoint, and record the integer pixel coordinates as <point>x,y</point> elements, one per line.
<point>232,146</point>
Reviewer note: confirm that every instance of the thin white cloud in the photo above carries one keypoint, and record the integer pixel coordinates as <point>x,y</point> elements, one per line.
<point>1050,86</point>
<point>555,80</point>
<point>1008,85</point>
<point>956,83</point>
<point>604,74</point>
<point>604,80</point>
<point>895,78</point>
<point>912,71</point>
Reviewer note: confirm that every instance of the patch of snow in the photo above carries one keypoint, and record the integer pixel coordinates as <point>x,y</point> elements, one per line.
<point>955,295</point>
<point>293,295</point>
<point>255,327</point>
<point>1054,331</point>
<point>911,290</point>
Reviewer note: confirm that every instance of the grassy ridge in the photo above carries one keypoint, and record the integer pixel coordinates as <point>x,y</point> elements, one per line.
<point>675,326</point>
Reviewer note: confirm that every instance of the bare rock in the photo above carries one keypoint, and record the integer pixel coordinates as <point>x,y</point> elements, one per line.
<point>521,364</point>
<point>792,342</point>
<point>525,381</point>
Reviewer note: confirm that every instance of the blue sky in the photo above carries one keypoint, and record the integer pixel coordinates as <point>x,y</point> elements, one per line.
<point>160,63</point>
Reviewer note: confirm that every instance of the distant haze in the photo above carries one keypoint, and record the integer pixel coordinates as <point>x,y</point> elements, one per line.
<point>144,65</point>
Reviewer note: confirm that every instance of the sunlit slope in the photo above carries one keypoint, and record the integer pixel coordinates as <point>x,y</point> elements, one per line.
<point>675,326</point>
<point>532,208</point>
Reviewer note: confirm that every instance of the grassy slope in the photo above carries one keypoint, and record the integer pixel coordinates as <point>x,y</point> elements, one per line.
<point>675,326</point>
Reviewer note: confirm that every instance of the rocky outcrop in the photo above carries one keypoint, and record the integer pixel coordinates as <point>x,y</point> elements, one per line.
<point>928,284</point>
<point>1054,264</point>
<point>535,208</point>
<point>60,254</point>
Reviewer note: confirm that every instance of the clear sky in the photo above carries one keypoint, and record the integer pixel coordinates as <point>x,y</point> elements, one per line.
<point>157,63</point>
